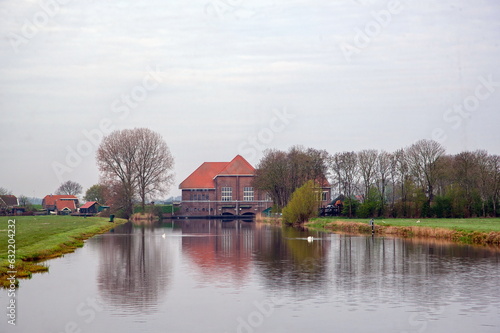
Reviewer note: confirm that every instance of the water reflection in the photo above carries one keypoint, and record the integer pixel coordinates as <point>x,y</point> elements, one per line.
<point>159,277</point>
<point>357,271</point>
<point>134,268</point>
<point>221,251</point>
<point>288,261</point>
<point>230,249</point>
<point>375,271</point>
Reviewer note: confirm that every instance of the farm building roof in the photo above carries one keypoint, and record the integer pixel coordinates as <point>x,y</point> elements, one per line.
<point>51,199</point>
<point>88,204</point>
<point>203,177</point>
<point>8,200</point>
<point>62,204</point>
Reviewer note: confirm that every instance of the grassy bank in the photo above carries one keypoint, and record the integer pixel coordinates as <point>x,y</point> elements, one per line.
<point>38,238</point>
<point>469,231</point>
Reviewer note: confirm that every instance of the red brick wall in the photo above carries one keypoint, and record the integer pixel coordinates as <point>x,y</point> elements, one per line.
<point>217,207</point>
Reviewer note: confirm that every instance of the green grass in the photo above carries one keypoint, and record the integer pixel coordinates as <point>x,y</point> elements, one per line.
<point>470,231</point>
<point>43,237</point>
<point>468,225</point>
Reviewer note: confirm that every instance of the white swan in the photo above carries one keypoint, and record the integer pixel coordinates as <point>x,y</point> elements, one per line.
<point>163,236</point>
<point>310,239</point>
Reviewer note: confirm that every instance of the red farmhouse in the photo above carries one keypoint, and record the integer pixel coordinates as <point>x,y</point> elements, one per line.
<point>222,188</point>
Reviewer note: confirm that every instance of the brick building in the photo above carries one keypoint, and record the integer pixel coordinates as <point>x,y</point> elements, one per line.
<point>61,204</point>
<point>222,188</point>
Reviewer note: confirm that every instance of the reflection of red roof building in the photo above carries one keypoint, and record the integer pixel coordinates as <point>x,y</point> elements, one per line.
<point>222,188</point>
<point>223,253</point>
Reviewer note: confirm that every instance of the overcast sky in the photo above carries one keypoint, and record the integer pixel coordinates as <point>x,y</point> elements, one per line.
<point>218,78</point>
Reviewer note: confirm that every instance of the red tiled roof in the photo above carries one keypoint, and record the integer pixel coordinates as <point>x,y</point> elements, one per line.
<point>61,204</point>
<point>51,199</point>
<point>88,204</point>
<point>203,177</point>
<point>238,166</point>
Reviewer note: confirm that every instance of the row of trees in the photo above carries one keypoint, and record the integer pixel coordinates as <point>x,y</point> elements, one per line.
<point>420,180</point>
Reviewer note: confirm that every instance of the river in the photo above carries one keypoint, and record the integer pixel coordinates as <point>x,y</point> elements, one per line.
<point>222,277</point>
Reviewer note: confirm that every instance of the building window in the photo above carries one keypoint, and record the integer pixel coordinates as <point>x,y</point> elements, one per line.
<point>324,196</point>
<point>248,194</point>
<point>227,194</point>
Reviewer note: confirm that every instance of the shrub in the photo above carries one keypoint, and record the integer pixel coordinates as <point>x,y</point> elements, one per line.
<point>350,206</point>
<point>303,204</point>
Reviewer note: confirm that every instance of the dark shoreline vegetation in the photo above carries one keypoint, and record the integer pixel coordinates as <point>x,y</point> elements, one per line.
<point>38,238</point>
<point>476,231</point>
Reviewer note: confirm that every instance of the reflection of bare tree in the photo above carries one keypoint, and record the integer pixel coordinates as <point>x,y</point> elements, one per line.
<point>134,268</point>
<point>391,270</point>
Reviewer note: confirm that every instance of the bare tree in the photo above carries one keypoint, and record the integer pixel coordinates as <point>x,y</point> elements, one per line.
<point>401,176</point>
<point>115,160</point>
<point>271,176</point>
<point>69,188</point>
<point>383,174</point>
<point>494,189</point>
<point>136,159</point>
<point>23,200</point>
<point>447,174</point>
<point>423,157</point>
<point>4,191</point>
<point>153,163</point>
<point>466,173</point>
<point>367,160</point>
<point>346,170</point>
<point>484,177</point>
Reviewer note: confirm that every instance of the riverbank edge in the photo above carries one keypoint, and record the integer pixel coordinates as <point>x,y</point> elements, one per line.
<point>491,238</point>
<point>269,220</point>
<point>32,262</point>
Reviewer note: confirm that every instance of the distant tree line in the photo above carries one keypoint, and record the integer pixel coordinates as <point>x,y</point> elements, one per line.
<point>420,180</point>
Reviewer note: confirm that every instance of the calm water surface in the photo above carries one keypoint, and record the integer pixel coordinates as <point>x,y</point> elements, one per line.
<point>214,276</point>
